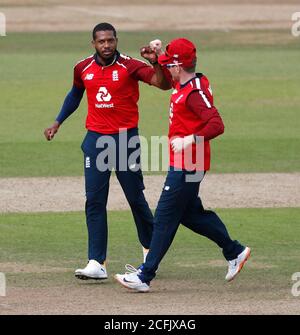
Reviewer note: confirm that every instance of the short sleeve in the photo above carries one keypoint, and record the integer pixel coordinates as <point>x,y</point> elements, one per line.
<point>77,80</point>
<point>139,70</point>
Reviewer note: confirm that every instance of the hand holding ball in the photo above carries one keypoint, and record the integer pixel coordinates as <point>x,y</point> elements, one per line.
<point>156,46</point>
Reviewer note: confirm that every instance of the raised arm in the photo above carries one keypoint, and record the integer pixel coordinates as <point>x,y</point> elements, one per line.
<point>161,78</point>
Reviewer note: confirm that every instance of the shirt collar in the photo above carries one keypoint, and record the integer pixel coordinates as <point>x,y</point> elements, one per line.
<point>110,61</point>
<point>198,75</point>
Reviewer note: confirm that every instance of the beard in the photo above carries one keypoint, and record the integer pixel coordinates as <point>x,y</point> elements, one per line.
<point>106,61</point>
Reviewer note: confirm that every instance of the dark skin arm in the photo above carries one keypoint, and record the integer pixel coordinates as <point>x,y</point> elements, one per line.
<point>51,131</point>
<point>159,78</point>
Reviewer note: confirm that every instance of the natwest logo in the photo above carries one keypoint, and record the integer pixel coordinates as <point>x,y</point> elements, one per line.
<point>103,95</point>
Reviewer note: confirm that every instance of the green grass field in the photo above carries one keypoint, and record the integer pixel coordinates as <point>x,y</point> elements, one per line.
<point>255,78</point>
<point>59,241</point>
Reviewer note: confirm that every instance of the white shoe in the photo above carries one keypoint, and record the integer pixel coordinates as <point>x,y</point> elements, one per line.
<point>93,270</point>
<point>145,253</point>
<point>236,265</point>
<point>131,280</point>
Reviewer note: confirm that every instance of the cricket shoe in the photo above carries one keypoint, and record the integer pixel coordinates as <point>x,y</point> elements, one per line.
<point>93,270</point>
<point>236,265</point>
<point>131,279</point>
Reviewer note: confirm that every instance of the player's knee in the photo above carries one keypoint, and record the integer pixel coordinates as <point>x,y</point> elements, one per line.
<point>164,223</point>
<point>208,212</point>
<point>96,198</point>
<point>136,200</point>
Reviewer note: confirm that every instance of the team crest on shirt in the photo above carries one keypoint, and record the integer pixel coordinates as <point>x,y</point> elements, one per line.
<point>115,75</point>
<point>89,76</point>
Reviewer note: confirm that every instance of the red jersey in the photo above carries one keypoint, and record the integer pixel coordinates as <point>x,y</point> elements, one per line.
<point>112,91</point>
<point>185,121</point>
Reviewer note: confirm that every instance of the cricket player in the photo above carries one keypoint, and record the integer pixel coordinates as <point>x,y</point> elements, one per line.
<point>110,80</point>
<point>194,121</point>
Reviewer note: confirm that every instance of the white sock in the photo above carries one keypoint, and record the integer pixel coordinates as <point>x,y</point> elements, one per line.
<point>145,253</point>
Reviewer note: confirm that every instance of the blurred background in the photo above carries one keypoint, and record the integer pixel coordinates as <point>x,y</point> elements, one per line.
<point>248,52</point>
<point>245,48</point>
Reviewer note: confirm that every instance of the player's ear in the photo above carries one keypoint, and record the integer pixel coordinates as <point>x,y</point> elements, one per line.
<point>93,43</point>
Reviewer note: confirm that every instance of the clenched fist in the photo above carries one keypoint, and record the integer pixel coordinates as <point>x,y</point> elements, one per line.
<point>156,46</point>
<point>152,51</point>
<point>51,131</point>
